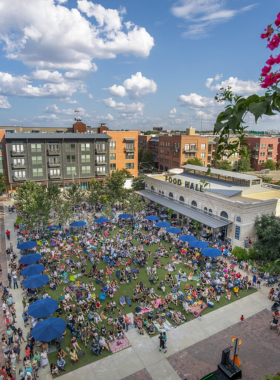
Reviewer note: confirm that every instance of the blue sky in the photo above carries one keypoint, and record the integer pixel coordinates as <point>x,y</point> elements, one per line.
<point>132,64</point>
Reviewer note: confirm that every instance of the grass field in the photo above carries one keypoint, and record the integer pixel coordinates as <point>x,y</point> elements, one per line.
<point>124,289</point>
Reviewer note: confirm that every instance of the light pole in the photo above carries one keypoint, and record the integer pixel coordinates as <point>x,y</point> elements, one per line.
<point>201,119</point>
<point>73,176</point>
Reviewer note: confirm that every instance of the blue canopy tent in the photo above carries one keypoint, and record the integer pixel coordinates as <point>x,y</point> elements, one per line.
<point>187,238</point>
<point>101,220</point>
<point>32,270</point>
<point>43,308</point>
<point>34,282</point>
<point>125,216</point>
<point>53,227</point>
<point>30,259</point>
<point>27,245</point>
<point>211,252</point>
<point>152,217</point>
<point>198,244</point>
<point>49,329</point>
<point>78,224</point>
<point>162,224</point>
<point>173,230</point>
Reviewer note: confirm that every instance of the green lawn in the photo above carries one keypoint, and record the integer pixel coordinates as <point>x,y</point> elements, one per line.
<point>124,289</point>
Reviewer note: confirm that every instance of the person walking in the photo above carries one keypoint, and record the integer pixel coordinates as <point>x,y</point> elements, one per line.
<point>161,342</point>
<point>15,282</point>
<point>8,234</point>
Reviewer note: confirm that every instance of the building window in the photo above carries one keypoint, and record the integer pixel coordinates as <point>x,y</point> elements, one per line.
<point>112,167</point>
<point>53,147</point>
<point>85,169</point>
<point>70,170</point>
<point>54,172</point>
<point>202,155</point>
<point>54,160</point>
<point>194,204</point>
<point>261,161</point>
<point>112,156</point>
<point>100,159</point>
<point>152,188</point>
<point>16,161</point>
<point>112,145</point>
<point>205,210</point>
<point>210,211</point>
<point>129,146</point>
<point>170,195</point>
<point>18,148</point>
<point>85,158</point>
<point>70,147</point>
<point>37,160</point>
<point>70,158</point>
<point>37,172</point>
<point>263,146</point>
<point>203,146</point>
<point>181,199</point>
<point>36,148</point>
<point>238,219</point>
<point>129,156</point>
<point>101,169</point>
<point>129,165</point>
<point>224,214</point>
<point>101,147</point>
<point>85,147</point>
<point>20,174</point>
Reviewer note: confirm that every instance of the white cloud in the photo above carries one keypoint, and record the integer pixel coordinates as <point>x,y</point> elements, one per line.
<point>209,82</point>
<point>4,102</point>
<point>21,86</point>
<point>173,111</point>
<point>133,108</point>
<point>79,74</point>
<point>109,117</point>
<point>62,1</point>
<point>53,109</point>
<point>90,96</point>
<point>202,15</point>
<point>46,118</point>
<point>43,34</point>
<point>140,86</point>
<point>239,86</point>
<point>47,76</point>
<point>117,91</point>
<point>218,76</point>
<point>69,101</point>
<point>194,101</point>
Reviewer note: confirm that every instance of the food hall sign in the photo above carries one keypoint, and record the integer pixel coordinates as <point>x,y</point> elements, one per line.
<point>188,185</point>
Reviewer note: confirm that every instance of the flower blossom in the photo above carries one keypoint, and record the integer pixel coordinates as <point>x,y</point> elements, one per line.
<point>274,42</point>
<point>265,70</point>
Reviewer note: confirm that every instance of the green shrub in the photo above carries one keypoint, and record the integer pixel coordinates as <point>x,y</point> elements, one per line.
<point>240,253</point>
<point>252,254</point>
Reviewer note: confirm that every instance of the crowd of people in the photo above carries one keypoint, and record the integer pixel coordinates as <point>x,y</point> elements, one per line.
<point>108,278</point>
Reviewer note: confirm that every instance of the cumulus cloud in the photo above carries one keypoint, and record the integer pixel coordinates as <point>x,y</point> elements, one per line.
<point>238,86</point>
<point>194,101</point>
<point>90,96</point>
<point>47,76</point>
<point>46,35</point>
<point>109,117</point>
<point>137,86</point>
<point>173,111</point>
<point>209,82</point>
<point>133,108</point>
<point>46,118</point>
<point>4,102</point>
<point>53,109</point>
<point>202,15</point>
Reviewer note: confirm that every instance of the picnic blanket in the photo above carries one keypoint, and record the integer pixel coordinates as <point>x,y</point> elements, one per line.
<point>156,303</point>
<point>146,310</point>
<point>134,270</point>
<point>166,326</point>
<point>196,310</point>
<point>118,345</point>
<point>183,279</point>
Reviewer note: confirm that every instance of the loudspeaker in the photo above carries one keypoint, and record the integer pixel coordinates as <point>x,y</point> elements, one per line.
<point>231,370</point>
<point>225,356</point>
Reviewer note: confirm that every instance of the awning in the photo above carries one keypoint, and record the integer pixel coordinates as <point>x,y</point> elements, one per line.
<point>129,139</point>
<point>194,214</point>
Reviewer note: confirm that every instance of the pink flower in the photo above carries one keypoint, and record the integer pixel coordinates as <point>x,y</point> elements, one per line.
<point>270,61</point>
<point>269,30</point>
<point>274,43</point>
<point>265,70</point>
<point>277,59</point>
<point>268,81</point>
<point>277,21</point>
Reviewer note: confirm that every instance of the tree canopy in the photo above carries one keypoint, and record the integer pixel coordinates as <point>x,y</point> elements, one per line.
<point>138,183</point>
<point>268,243</point>
<point>3,183</point>
<point>244,164</point>
<point>224,165</point>
<point>270,164</point>
<point>194,161</point>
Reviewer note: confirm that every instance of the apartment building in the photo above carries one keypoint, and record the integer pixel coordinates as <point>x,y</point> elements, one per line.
<point>262,149</point>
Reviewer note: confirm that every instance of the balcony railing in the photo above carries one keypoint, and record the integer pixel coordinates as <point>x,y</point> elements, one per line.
<point>101,174</point>
<point>16,153</point>
<point>175,150</point>
<point>100,162</point>
<point>18,179</point>
<point>257,148</point>
<point>270,149</point>
<point>53,152</point>
<point>256,156</point>
<point>54,164</point>
<point>129,149</point>
<point>54,176</point>
<point>100,150</point>
<point>190,150</point>
<point>19,165</point>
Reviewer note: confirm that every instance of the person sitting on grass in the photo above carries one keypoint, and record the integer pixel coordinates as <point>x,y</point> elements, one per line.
<point>122,301</point>
<point>103,343</point>
<point>95,348</point>
<point>54,370</point>
<point>74,343</point>
<point>73,355</point>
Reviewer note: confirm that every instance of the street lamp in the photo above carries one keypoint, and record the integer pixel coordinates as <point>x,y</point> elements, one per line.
<point>201,118</point>
<point>73,176</point>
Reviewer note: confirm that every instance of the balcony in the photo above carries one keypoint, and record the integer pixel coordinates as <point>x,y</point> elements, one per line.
<point>256,148</point>
<point>269,156</point>
<point>270,149</point>
<point>100,162</point>
<point>19,166</point>
<point>100,150</point>
<point>256,156</point>
<point>129,149</point>
<point>177,150</point>
<point>101,174</point>
<point>54,164</point>
<point>54,176</point>
<point>53,152</point>
<point>19,179</point>
<point>15,153</point>
<point>190,150</point>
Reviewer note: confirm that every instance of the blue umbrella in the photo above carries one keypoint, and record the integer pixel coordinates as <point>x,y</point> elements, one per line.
<point>162,224</point>
<point>187,238</point>
<point>53,227</point>
<point>27,245</point>
<point>101,220</point>
<point>152,217</point>
<point>211,252</point>
<point>173,230</point>
<point>78,224</point>
<point>49,329</point>
<point>163,216</point>
<point>43,308</point>
<point>125,216</point>
<point>32,270</point>
<point>34,282</point>
<point>198,244</point>
<point>30,259</point>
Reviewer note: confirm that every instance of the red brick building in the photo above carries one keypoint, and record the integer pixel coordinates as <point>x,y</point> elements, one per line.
<point>262,149</point>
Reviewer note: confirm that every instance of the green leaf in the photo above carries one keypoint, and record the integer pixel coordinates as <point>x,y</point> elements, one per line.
<point>239,113</point>
<point>258,109</point>
<point>269,111</point>
<point>225,115</point>
<point>253,98</point>
<point>233,123</point>
<point>218,126</point>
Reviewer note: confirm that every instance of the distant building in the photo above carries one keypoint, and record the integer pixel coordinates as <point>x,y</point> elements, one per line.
<point>262,149</point>
<point>157,128</point>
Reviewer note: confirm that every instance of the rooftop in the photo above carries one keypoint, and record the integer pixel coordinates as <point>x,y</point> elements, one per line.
<point>223,173</point>
<point>56,136</point>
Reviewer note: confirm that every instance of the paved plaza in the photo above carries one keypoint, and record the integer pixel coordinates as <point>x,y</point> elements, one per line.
<point>194,348</point>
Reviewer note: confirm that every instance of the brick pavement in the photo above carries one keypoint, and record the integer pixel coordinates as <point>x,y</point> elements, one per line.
<point>259,352</point>
<point>143,374</point>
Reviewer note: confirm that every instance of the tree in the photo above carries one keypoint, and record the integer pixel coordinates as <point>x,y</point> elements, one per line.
<point>268,243</point>
<point>54,194</point>
<point>194,161</point>
<point>224,165</point>
<point>115,187</point>
<point>107,210</point>
<point>140,154</point>
<point>269,164</point>
<point>3,183</point>
<point>244,164</point>
<point>95,192</point>
<point>138,183</point>
<point>134,204</point>
<point>148,157</point>
<point>126,173</point>
<point>75,194</point>
<point>266,178</point>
